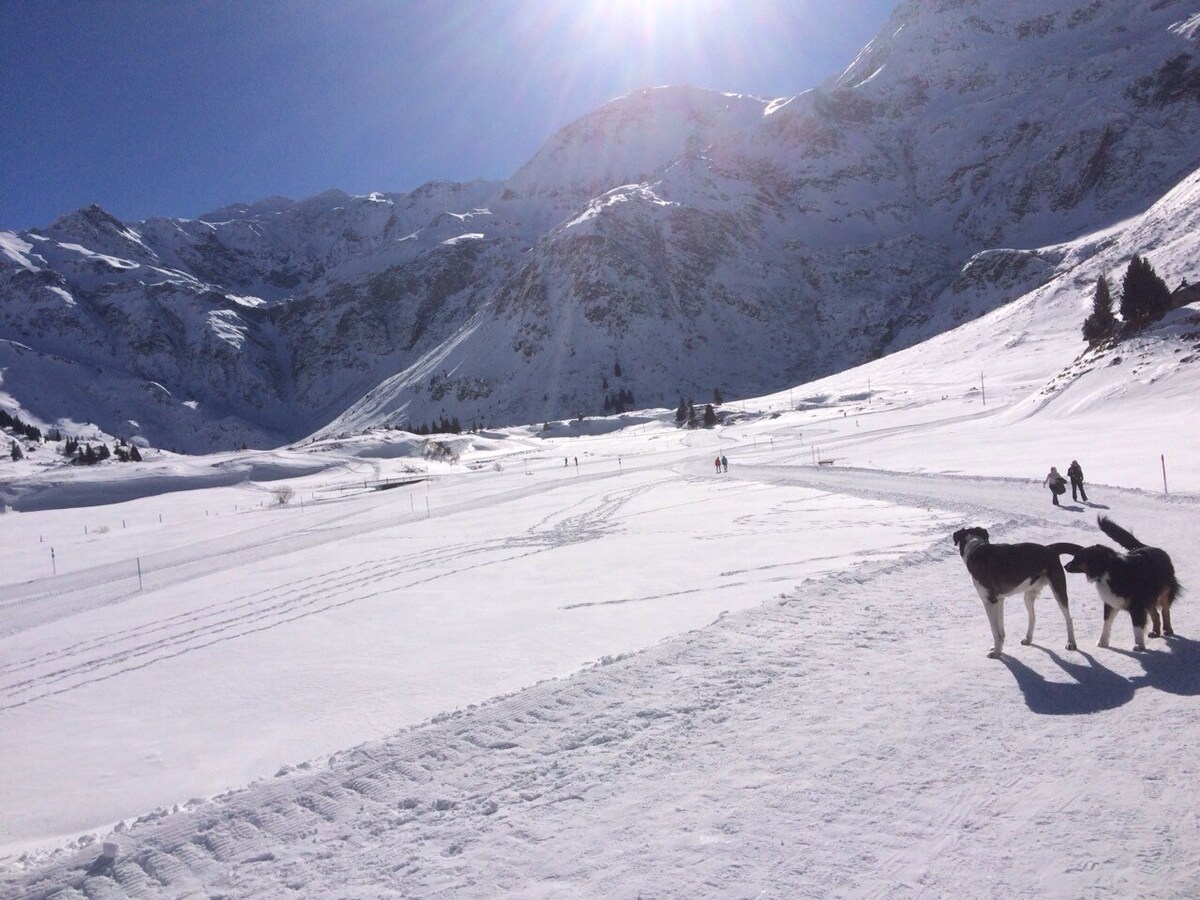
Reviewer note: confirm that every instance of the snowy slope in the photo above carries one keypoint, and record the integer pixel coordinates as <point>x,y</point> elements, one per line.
<point>522,676</point>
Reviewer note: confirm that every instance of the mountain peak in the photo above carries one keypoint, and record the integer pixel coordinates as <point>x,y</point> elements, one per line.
<point>633,137</point>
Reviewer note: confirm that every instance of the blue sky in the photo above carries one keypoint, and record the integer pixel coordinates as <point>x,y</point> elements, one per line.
<point>158,107</point>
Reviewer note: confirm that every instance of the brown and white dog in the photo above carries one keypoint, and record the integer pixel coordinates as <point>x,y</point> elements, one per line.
<point>999,570</point>
<point>1140,581</point>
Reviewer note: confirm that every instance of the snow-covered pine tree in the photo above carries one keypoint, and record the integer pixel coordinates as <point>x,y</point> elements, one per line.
<point>1100,323</point>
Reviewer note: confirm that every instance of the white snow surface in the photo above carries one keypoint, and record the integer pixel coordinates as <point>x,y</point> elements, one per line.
<point>511,675</point>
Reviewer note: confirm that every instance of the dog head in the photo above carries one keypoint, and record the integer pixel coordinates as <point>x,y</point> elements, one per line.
<point>964,535</point>
<point>1093,561</point>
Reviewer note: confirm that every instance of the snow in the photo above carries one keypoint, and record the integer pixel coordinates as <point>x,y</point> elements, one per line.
<point>515,675</point>
<point>67,298</point>
<point>17,250</point>
<point>113,261</point>
<point>469,236</point>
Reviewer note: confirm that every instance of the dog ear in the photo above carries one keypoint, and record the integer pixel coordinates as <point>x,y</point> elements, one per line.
<point>958,536</point>
<point>986,536</point>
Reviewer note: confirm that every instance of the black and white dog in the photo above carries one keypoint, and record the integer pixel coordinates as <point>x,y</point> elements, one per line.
<point>1139,581</point>
<point>1000,570</point>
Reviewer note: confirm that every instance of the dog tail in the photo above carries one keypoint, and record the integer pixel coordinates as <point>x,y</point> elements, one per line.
<point>1060,549</point>
<point>1118,534</point>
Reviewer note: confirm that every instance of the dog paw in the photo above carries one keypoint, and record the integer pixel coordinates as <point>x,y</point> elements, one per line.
<point>993,654</point>
<point>1027,641</point>
<point>1072,647</point>
<point>1139,648</point>
<point>1169,632</point>
<point>1154,634</point>
<point>1103,644</point>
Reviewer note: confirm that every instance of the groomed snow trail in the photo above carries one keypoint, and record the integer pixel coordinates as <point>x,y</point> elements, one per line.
<point>849,738</point>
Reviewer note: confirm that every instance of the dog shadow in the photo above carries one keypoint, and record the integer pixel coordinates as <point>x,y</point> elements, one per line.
<point>1094,688</point>
<point>1071,508</point>
<point>1095,505</point>
<point>1171,665</point>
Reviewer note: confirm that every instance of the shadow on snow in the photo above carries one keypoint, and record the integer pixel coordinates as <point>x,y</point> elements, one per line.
<point>1174,669</point>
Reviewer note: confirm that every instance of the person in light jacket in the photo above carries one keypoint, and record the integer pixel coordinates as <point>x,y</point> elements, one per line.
<point>1057,485</point>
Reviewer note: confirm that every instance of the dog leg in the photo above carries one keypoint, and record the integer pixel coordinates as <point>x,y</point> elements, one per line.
<point>1139,627</point>
<point>995,613</point>
<point>1166,615</point>
<point>1030,596</point>
<point>1058,586</point>
<point>1156,631</point>
<point>1066,611</point>
<point>1109,615</point>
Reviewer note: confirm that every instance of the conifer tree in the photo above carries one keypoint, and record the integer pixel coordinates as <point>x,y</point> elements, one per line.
<point>15,452</point>
<point>1101,323</point>
<point>710,417</point>
<point>681,411</point>
<point>1144,296</point>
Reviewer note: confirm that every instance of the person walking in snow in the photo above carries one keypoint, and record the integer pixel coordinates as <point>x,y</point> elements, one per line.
<point>1075,473</point>
<point>717,463</point>
<point>724,463</point>
<point>1057,485</point>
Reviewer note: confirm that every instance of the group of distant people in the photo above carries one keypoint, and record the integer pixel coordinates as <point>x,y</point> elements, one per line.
<point>721,463</point>
<point>1058,484</point>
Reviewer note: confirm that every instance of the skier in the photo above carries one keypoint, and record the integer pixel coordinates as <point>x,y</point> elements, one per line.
<point>1056,483</point>
<point>1075,473</point>
<point>724,463</point>
<point>717,463</point>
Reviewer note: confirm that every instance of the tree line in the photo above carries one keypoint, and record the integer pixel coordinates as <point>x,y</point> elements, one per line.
<point>82,454</point>
<point>1145,298</point>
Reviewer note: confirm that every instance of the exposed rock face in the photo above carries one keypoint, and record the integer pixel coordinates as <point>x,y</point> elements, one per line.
<point>688,239</point>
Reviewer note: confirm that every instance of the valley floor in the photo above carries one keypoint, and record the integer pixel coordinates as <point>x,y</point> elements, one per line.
<point>836,734</point>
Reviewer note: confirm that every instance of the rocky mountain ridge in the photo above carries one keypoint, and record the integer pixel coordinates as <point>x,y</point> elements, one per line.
<point>687,239</point>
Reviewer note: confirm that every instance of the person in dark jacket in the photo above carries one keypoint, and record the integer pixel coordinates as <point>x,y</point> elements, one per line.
<point>1075,473</point>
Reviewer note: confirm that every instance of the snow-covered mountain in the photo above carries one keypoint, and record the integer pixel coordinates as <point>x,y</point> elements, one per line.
<point>685,239</point>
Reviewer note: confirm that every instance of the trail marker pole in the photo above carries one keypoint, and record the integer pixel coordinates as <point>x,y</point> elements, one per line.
<point>1163,459</point>
<point>53,564</point>
<point>982,389</point>
<point>139,565</point>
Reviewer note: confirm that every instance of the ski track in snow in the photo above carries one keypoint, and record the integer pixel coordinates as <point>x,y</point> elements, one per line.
<point>792,750</point>
<point>100,658</point>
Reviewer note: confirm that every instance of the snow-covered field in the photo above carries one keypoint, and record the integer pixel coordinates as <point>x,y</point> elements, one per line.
<point>630,676</point>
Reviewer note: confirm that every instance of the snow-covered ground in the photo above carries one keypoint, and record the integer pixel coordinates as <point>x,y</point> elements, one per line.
<point>515,675</point>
